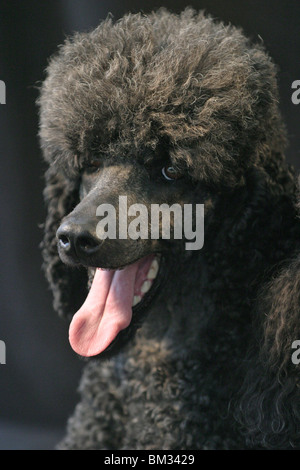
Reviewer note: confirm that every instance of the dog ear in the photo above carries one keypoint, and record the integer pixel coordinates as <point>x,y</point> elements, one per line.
<point>69,285</point>
<point>270,395</point>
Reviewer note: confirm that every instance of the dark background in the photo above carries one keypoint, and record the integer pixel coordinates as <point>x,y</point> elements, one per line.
<point>38,383</point>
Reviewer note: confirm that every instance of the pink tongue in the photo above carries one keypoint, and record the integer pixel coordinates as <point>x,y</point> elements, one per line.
<point>107,309</point>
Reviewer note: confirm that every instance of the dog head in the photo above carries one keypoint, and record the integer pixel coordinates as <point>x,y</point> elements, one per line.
<point>150,110</point>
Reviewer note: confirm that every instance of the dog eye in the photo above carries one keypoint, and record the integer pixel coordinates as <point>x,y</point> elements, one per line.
<point>92,166</point>
<point>170,173</point>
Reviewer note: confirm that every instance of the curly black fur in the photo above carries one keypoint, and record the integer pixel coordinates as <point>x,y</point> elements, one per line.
<point>270,403</point>
<point>210,368</point>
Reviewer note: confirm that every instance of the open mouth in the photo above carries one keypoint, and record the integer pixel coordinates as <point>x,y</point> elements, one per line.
<point>113,303</point>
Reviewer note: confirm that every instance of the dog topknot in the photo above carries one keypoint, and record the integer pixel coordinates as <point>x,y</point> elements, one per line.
<point>197,85</point>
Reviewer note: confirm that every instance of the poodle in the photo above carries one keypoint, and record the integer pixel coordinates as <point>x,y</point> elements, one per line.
<point>184,349</point>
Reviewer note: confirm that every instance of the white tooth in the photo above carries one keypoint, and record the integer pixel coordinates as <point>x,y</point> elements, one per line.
<point>154,263</point>
<point>153,269</point>
<point>136,300</point>
<point>152,273</point>
<point>145,287</point>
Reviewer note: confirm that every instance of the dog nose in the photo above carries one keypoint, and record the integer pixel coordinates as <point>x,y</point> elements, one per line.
<point>77,240</point>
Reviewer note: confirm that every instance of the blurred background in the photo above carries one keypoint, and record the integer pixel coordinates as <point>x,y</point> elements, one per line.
<point>39,380</point>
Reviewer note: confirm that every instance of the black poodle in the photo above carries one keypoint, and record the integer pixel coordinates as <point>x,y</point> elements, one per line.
<point>189,346</point>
